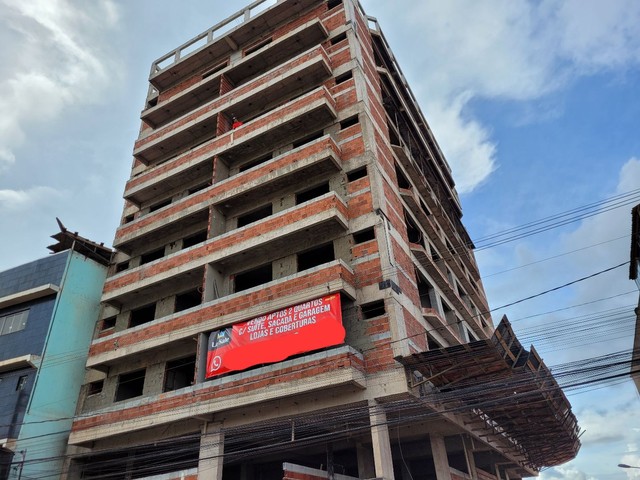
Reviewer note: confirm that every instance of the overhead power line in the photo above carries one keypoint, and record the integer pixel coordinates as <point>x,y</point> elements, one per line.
<point>560,287</point>
<point>558,220</point>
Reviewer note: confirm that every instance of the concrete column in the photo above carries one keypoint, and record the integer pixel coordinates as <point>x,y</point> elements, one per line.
<point>214,284</point>
<point>381,443</point>
<point>211,453</point>
<point>365,461</point>
<point>201,357</point>
<point>471,461</point>
<point>440,460</point>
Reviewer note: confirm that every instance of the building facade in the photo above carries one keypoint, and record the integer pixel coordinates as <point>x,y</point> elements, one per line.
<point>48,311</point>
<point>291,244</point>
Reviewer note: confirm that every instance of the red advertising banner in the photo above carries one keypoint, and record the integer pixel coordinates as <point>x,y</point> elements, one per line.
<point>273,337</point>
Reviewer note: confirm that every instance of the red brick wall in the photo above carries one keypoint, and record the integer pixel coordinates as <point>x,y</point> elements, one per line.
<point>228,95</point>
<point>269,224</point>
<point>167,403</point>
<point>218,188</point>
<point>225,307</point>
<point>300,104</point>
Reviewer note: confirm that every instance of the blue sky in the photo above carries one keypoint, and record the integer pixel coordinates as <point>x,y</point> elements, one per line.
<point>535,103</point>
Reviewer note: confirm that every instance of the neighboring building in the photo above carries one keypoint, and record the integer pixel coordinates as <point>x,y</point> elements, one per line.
<point>290,262</point>
<point>634,266</point>
<point>48,311</point>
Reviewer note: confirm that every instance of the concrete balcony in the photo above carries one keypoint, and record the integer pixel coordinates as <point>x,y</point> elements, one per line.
<point>294,43</point>
<point>332,277</point>
<point>413,201</point>
<point>447,331</point>
<point>223,39</point>
<point>306,113</point>
<point>316,159</point>
<point>323,217</point>
<point>262,94</point>
<point>338,370</point>
<point>443,283</point>
<point>419,176</point>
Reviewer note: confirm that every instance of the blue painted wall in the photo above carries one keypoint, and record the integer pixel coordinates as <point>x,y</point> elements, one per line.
<point>33,274</point>
<point>31,340</point>
<point>25,277</point>
<point>54,396</point>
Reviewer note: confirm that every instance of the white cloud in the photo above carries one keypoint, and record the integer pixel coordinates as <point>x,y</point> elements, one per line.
<point>565,472</point>
<point>57,59</point>
<point>7,158</point>
<point>467,140</point>
<point>612,425</point>
<point>598,34</point>
<point>514,50</point>
<point>19,200</point>
<point>632,459</point>
<point>612,224</point>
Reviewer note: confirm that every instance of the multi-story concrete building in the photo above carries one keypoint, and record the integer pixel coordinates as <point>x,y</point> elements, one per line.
<point>48,311</point>
<point>293,282</point>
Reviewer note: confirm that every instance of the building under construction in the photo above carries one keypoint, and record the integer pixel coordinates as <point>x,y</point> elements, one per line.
<point>294,294</point>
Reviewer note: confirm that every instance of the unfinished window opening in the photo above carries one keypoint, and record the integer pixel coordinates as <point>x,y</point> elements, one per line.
<point>122,266</point>
<point>128,219</point>
<point>356,174</point>
<point>159,205</point>
<point>312,193</point>
<point>151,256</point>
<point>194,239</point>
<point>257,46</point>
<point>425,290</point>
<point>316,256</point>
<point>198,188</point>
<point>253,278</point>
<point>187,300</point>
<point>214,70</point>
<point>255,163</point>
<point>414,234</point>
<point>433,343</point>
<point>364,235</point>
<point>142,315</point>
<point>344,77</point>
<point>333,4</point>
<point>349,122</point>
<point>254,216</point>
<point>402,179</point>
<point>179,373</point>
<point>471,334</point>
<point>308,139</point>
<point>451,279</point>
<point>435,256</point>
<point>463,294</point>
<point>152,102</point>
<point>393,136</point>
<point>449,314</point>
<point>130,385</point>
<point>373,309</point>
<point>450,247</point>
<point>108,323</point>
<point>95,387</point>
<point>338,38</point>
<point>424,208</point>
